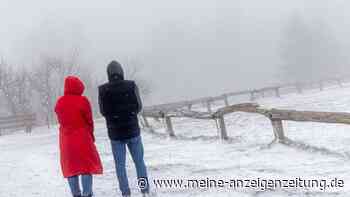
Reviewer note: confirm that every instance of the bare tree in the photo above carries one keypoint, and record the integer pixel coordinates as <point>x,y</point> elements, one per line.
<point>52,60</point>
<point>47,80</point>
<point>7,81</point>
<point>133,69</point>
<point>53,57</point>
<point>15,88</point>
<point>91,82</point>
<point>41,82</point>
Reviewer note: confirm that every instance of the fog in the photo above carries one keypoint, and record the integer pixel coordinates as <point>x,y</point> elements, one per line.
<point>188,48</point>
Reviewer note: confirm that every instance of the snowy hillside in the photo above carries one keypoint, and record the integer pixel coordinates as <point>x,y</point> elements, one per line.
<point>29,163</point>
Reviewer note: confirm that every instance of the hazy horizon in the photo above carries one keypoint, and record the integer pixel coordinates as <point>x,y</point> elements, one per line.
<point>188,49</point>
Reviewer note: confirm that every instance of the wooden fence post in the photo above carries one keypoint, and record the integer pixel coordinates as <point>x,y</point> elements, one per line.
<point>321,85</point>
<point>223,130</point>
<point>278,130</point>
<point>277,91</point>
<point>156,119</point>
<point>147,125</point>
<point>189,107</point>
<point>340,83</point>
<point>226,100</point>
<point>169,126</point>
<point>145,121</point>
<point>209,106</point>
<point>252,95</point>
<point>299,88</point>
<point>28,129</point>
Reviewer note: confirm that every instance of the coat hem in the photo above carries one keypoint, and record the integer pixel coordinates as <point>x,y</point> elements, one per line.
<point>82,173</point>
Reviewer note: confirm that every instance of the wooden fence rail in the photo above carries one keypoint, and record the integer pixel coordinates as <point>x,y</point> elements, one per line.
<point>19,121</point>
<point>276,116</point>
<point>253,94</point>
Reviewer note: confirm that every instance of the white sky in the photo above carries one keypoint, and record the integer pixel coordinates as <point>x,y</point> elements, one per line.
<point>190,48</point>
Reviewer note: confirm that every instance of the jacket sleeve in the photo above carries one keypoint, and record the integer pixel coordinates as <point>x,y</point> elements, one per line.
<point>100,102</point>
<point>88,117</point>
<point>138,97</point>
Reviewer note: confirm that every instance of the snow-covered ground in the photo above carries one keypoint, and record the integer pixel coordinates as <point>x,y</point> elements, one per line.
<point>29,163</point>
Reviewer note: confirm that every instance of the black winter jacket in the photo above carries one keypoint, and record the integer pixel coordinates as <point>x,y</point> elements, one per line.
<point>120,102</point>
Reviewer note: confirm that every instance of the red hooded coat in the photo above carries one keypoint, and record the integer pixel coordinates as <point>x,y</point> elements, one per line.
<point>78,153</point>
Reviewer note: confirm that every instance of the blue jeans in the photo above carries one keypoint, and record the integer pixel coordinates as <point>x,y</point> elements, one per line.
<point>135,147</point>
<point>86,181</point>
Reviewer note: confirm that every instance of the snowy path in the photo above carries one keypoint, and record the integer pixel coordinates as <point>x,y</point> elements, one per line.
<point>29,163</point>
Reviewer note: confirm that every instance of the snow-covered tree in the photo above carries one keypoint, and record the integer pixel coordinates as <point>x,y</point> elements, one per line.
<point>15,88</point>
<point>49,58</point>
<point>47,79</point>
<point>133,67</point>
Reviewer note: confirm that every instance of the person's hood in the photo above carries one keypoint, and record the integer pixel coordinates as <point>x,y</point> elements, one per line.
<point>115,71</point>
<point>73,86</point>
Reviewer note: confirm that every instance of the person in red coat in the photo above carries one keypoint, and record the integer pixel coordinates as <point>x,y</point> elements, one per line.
<point>78,153</point>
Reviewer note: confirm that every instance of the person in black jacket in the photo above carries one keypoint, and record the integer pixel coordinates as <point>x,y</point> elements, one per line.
<point>120,103</point>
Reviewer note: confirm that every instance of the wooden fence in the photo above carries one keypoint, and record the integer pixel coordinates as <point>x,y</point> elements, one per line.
<point>276,117</point>
<point>19,121</point>
<point>253,94</point>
